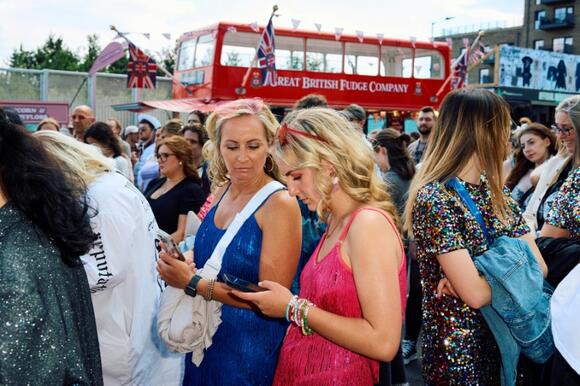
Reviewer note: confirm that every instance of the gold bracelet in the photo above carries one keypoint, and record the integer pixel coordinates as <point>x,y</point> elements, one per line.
<point>209,289</point>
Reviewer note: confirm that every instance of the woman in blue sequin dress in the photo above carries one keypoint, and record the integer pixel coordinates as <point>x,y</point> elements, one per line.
<point>245,347</point>
<point>458,346</point>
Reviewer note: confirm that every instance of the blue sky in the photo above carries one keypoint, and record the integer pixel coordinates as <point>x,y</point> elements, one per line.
<point>29,22</point>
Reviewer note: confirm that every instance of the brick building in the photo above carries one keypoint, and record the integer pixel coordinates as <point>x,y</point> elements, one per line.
<point>550,38</point>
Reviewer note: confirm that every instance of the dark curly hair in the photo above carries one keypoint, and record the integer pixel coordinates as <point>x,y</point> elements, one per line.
<point>35,184</point>
<point>103,134</point>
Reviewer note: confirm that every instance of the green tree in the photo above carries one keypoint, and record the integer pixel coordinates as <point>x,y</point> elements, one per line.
<point>168,60</point>
<point>93,51</point>
<point>54,55</point>
<point>22,58</point>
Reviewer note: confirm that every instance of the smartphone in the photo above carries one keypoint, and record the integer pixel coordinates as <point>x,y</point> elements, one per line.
<point>241,284</point>
<point>169,245</point>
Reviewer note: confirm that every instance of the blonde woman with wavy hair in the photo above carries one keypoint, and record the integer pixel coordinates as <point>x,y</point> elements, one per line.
<point>469,142</point>
<point>120,266</point>
<point>348,314</point>
<point>245,347</point>
<point>82,160</point>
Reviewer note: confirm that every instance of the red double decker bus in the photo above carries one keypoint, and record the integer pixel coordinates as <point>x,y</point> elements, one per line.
<point>394,77</point>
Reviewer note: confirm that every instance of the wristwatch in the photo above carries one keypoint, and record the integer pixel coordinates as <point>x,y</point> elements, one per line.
<point>191,288</point>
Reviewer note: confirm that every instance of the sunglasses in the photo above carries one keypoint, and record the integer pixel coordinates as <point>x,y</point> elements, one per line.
<point>163,156</point>
<point>562,130</point>
<point>285,132</point>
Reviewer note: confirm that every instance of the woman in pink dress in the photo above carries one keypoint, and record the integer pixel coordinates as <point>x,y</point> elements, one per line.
<point>348,314</point>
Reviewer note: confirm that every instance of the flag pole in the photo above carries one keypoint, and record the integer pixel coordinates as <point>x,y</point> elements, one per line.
<point>242,89</point>
<point>455,62</point>
<point>159,65</point>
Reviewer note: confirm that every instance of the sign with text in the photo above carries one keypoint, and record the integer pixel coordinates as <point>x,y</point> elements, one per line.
<point>34,112</point>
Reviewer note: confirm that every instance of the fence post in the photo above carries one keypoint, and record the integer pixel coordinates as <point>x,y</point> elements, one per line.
<point>91,91</point>
<point>134,99</point>
<point>44,85</point>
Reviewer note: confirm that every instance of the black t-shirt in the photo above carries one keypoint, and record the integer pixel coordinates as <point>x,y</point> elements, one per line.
<point>183,197</point>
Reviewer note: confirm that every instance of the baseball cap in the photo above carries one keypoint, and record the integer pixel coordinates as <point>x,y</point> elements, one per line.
<point>131,130</point>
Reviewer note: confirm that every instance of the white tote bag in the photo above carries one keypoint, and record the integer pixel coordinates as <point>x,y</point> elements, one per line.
<point>187,324</point>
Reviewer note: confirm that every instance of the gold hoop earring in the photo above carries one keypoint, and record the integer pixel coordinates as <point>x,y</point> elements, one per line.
<point>271,168</point>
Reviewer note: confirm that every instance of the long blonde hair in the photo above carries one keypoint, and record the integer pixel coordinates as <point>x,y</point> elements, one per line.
<point>471,121</point>
<point>217,170</point>
<point>330,137</point>
<point>571,106</point>
<point>82,160</point>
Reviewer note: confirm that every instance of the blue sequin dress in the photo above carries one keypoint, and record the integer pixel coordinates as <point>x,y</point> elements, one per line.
<point>246,345</point>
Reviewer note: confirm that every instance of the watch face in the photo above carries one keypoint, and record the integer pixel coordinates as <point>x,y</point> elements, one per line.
<point>191,288</point>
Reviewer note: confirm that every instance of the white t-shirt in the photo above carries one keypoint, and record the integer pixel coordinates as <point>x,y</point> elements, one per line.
<point>565,304</point>
<point>125,287</point>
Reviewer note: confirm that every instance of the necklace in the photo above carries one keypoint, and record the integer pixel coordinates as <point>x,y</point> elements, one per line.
<point>338,224</point>
<point>166,187</point>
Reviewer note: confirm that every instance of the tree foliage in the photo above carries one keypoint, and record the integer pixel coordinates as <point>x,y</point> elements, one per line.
<point>55,55</point>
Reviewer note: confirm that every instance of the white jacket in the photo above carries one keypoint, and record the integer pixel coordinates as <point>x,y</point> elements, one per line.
<point>125,287</point>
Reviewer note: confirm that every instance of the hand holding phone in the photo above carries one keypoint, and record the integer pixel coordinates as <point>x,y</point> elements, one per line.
<point>169,246</point>
<point>241,284</point>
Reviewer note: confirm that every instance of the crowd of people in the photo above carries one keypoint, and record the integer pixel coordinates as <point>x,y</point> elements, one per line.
<point>245,248</point>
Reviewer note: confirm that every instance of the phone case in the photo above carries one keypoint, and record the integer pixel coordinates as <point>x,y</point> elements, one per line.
<point>240,284</point>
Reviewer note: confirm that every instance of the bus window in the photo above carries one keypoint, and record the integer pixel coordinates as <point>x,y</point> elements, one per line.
<point>396,61</point>
<point>204,51</point>
<point>323,55</point>
<point>239,48</point>
<point>186,54</point>
<point>289,53</point>
<point>361,59</point>
<point>428,64</point>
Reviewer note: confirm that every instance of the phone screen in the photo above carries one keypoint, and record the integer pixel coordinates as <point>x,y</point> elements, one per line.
<point>172,248</point>
<point>241,284</point>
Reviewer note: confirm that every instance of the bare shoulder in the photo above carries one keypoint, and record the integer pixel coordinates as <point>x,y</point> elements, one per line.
<point>279,204</point>
<point>373,229</point>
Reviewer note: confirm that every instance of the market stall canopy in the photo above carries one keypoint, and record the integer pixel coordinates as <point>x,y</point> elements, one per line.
<point>184,105</point>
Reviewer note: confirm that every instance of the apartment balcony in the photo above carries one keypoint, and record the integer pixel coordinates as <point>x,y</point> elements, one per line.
<point>550,2</point>
<point>566,22</point>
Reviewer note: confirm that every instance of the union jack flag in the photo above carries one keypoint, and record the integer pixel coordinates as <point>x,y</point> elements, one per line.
<point>141,70</point>
<point>477,53</point>
<point>459,75</point>
<point>266,56</point>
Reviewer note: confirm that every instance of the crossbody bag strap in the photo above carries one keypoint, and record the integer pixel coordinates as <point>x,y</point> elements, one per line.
<point>213,265</point>
<point>470,204</point>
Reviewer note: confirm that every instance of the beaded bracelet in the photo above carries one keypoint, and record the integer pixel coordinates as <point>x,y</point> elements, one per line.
<point>291,304</point>
<point>306,330</point>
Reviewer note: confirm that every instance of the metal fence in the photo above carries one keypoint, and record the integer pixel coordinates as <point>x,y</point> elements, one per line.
<point>61,86</point>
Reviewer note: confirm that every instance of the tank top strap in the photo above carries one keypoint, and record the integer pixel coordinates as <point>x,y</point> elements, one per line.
<point>356,212</point>
<point>222,196</point>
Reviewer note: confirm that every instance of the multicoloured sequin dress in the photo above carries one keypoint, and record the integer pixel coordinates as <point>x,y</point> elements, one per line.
<point>565,211</point>
<point>458,347</point>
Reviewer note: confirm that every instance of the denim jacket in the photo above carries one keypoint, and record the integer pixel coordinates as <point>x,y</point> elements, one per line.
<point>519,313</point>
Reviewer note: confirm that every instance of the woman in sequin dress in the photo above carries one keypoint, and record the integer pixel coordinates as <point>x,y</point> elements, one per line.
<point>48,334</point>
<point>355,278</point>
<point>469,142</point>
<point>564,216</point>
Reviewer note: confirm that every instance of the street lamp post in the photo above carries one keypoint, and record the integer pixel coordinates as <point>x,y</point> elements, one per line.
<point>436,22</point>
